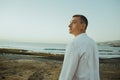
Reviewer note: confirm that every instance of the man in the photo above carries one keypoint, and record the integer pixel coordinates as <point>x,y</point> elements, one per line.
<point>81,60</point>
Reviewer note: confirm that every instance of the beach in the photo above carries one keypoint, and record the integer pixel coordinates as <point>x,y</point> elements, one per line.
<point>31,66</point>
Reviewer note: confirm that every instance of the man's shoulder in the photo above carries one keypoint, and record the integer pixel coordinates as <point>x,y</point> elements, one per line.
<point>82,40</point>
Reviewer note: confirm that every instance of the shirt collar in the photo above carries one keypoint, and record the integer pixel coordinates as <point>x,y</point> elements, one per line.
<point>80,35</point>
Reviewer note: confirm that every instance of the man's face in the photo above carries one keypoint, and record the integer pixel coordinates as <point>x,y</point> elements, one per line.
<point>75,26</point>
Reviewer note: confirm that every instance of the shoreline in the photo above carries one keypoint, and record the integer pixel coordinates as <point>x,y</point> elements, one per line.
<point>44,55</point>
<point>51,56</point>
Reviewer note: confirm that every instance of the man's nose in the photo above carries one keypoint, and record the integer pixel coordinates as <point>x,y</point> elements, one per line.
<point>69,25</point>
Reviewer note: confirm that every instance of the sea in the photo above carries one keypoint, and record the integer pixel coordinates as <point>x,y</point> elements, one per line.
<point>105,51</point>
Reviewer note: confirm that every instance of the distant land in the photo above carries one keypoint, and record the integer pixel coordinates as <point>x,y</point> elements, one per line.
<point>115,43</point>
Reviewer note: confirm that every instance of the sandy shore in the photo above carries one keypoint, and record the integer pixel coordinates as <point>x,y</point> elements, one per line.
<point>25,67</point>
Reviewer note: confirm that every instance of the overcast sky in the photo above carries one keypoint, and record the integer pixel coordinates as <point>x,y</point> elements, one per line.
<point>47,20</point>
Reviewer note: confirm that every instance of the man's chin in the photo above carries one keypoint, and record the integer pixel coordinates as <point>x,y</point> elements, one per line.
<point>70,32</point>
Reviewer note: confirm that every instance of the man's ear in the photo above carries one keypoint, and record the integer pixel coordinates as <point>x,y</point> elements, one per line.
<point>83,26</point>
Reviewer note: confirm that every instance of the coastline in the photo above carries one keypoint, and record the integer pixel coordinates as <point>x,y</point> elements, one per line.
<point>45,66</point>
<point>32,53</point>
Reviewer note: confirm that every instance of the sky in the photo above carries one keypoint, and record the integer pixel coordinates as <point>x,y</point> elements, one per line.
<point>48,20</point>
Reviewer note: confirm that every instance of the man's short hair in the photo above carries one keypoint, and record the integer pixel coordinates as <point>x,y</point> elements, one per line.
<point>83,19</point>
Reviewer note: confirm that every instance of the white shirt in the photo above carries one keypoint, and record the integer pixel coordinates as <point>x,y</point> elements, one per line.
<point>81,60</point>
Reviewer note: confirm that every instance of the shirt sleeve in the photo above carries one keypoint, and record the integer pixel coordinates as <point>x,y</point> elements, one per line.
<point>70,63</point>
